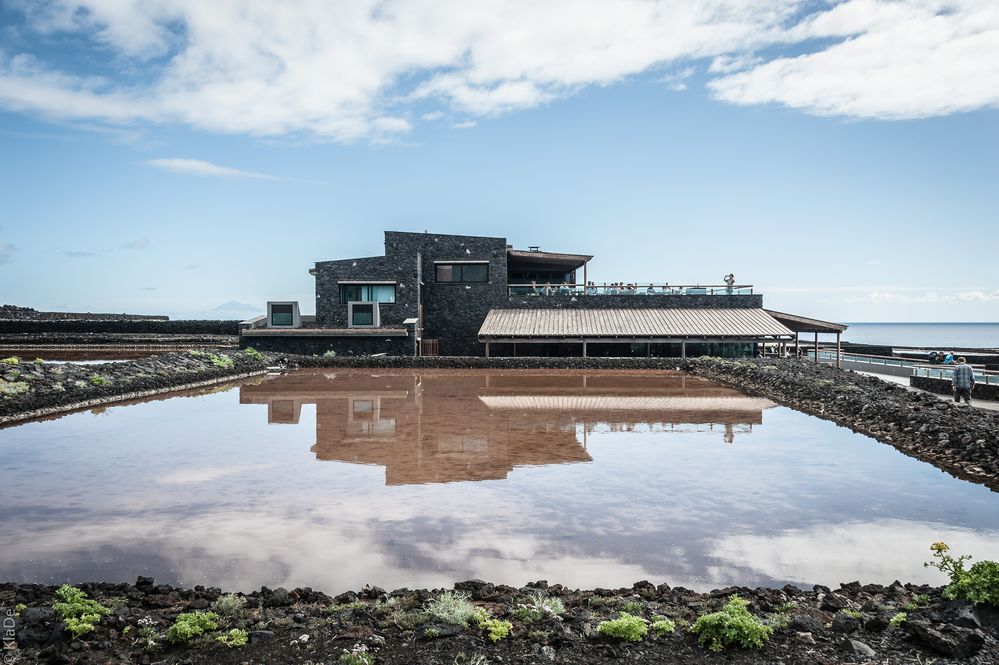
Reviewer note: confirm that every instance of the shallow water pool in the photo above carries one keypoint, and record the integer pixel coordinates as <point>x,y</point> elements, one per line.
<point>338,478</point>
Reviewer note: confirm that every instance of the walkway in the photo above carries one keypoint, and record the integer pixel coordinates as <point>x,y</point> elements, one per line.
<point>904,381</point>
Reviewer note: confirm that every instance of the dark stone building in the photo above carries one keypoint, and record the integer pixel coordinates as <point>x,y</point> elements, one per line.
<point>435,294</point>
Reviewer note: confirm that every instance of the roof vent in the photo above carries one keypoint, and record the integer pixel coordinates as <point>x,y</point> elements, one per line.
<point>534,248</point>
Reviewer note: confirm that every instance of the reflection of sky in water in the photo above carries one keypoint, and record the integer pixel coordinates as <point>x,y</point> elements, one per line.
<point>203,491</point>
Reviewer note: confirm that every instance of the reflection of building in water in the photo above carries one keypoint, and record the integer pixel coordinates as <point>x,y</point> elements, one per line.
<point>440,426</point>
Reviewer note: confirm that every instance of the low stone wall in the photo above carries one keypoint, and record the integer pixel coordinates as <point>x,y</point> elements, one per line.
<point>310,345</point>
<point>196,327</point>
<point>31,390</point>
<point>943,387</point>
<point>636,301</point>
<point>15,312</point>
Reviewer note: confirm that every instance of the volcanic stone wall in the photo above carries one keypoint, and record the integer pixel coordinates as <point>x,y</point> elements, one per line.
<point>311,345</point>
<point>397,268</point>
<point>454,312</point>
<point>42,326</point>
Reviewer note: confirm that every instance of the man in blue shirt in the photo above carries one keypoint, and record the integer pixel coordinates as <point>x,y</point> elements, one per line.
<point>963,381</point>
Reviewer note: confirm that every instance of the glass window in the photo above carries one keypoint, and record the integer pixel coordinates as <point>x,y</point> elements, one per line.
<point>445,273</point>
<point>475,272</point>
<point>367,293</point>
<point>362,315</point>
<point>282,315</point>
<point>468,273</point>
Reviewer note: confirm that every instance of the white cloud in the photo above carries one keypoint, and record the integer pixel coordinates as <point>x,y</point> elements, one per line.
<point>467,124</point>
<point>7,253</point>
<point>203,168</point>
<point>350,70</point>
<point>889,60</point>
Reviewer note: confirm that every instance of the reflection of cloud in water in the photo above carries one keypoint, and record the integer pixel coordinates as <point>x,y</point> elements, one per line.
<point>872,552</point>
<point>205,474</point>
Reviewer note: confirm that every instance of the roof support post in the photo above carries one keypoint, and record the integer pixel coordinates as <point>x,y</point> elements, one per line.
<point>838,350</point>
<point>683,349</point>
<point>797,345</point>
<point>816,347</point>
<point>584,355</point>
<point>487,349</point>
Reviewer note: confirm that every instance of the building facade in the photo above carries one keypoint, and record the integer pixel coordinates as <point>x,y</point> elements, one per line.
<point>436,294</point>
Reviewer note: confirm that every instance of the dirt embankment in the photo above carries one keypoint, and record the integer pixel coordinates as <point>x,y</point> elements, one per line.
<point>853,624</point>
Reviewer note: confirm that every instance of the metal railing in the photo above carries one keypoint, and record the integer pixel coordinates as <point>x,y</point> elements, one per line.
<point>632,289</point>
<point>982,375</point>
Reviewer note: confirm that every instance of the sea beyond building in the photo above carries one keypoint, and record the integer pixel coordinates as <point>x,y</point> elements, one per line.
<point>456,295</point>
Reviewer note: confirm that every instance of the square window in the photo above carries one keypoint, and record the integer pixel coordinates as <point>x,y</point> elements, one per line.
<point>362,315</point>
<point>282,315</point>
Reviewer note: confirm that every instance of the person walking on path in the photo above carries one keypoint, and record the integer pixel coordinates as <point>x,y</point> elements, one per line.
<point>963,381</point>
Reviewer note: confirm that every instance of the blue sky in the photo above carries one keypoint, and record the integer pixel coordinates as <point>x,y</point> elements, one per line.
<point>172,156</point>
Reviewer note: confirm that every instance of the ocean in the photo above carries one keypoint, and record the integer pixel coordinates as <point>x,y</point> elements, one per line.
<point>926,335</point>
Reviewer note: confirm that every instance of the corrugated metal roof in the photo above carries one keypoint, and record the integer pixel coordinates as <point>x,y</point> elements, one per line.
<point>594,403</point>
<point>806,324</point>
<point>643,323</point>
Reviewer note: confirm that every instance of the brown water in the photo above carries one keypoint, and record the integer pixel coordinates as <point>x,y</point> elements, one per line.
<point>338,478</point>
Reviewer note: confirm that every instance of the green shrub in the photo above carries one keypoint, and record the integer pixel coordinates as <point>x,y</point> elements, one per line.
<point>13,388</point>
<point>897,620</point>
<point>253,353</point>
<point>497,628</point>
<point>631,606</point>
<point>661,626</point>
<point>39,361</point>
<point>853,614</point>
<point>235,638</point>
<point>453,607</point>
<point>191,625</point>
<point>221,361</point>
<point>97,380</point>
<point>330,354</point>
<point>732,625</point>
<point>540,606</point>
<point>979,584</point>
<point>626,627</point>
<point>20,607</point>
<point>198,354</point>
<point>229,605</point>
<point>78,612</point>
<point>13,360</point>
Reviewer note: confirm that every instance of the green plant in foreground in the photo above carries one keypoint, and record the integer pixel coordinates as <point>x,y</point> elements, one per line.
<point>631,606</point>
<point>897,620</point>
<point>191,625</point>
<point>330,354</point>
<point>453,607</point>
<point>20,607</point>
<point>497,628</point>
<point>78,612</point>
<point>235,638</point>
<point>97,380</point>
<point>13,360</point>
<point>732,625</point>
<point>253,353</point>
<point>221,360</point>
<point>853,614</point>
<point>229,605</point>
<point>13,388</point>
<point>626,627</point>
<point>197,354</point>
<point>661,626</point>
<point>979,584</point>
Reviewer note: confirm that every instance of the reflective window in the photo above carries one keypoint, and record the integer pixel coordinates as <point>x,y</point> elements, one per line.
<point>367,293</point>
<point>467,273</point>
<point>282,315</point>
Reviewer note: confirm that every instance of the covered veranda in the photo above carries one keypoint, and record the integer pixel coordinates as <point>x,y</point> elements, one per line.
<point>644,332</point>
<point>804,324</point>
